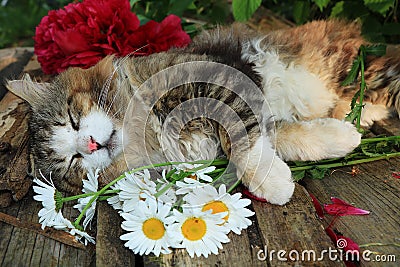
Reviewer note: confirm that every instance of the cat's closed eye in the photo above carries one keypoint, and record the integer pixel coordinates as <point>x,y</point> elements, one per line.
<point>59,123</point>
<point>74,121</point>
<point>77,156</point>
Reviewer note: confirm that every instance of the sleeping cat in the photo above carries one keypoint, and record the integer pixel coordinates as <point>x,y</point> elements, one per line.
<point>259,100</point>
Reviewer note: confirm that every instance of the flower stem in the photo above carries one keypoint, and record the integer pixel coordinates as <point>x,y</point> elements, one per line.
<point>205,164</point>
<point>66,199</point>
<point>379,244</point>
<point>104,189</point>
<point>341,164</point>
<point>236,184</point>
<point>363,86</point>
<point>379,139</point>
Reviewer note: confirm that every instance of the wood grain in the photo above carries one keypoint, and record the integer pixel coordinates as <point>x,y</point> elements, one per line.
<point>375,190</point>
<point>110,250</point>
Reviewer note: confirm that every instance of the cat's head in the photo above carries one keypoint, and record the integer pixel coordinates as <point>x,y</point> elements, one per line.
<point>74,125</point>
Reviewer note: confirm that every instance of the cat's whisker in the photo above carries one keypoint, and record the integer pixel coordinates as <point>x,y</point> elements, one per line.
<point>116,113</point>
<point>106,87</point>
<point>111,104</point>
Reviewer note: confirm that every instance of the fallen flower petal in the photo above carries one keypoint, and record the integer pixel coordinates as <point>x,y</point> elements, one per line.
<point>351,248</point>
<point>342,208</point>
<point>396,175</point>
<point>318,206</point>
<point>247,193</point>
<point>331,234</point>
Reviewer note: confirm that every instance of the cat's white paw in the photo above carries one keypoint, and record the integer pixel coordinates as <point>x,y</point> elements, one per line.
<point>266,175</point>
<point>275,185</point>
<point>345,138</point>
<point>316,139</point>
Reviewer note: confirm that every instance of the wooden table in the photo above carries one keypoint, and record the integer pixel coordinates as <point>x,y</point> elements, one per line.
<point>294,226</point>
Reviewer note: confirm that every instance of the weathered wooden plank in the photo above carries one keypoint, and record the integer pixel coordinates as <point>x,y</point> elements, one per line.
<point>14,183</point>
<point>70,256</point>
<point>12,61</point>
<point>373,189</point>
<point>110,250</point>
<point>26,247</point>
<point>293,227</point>
<point>6,231</point>
<point>239,251</point>
<point>18,250</point>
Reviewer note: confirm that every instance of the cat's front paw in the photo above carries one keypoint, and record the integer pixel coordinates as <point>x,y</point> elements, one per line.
<point>275,185</point>
<point>345,138</point>
<point>278,195</point>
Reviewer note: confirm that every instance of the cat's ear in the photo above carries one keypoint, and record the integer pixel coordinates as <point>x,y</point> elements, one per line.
<point>32,92</point>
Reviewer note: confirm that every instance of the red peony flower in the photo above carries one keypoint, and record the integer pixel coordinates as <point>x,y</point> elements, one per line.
<point>156,37</point>
<point>83,33</point>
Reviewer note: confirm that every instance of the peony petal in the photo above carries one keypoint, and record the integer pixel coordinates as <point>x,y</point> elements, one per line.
<point>396,175</point>
<point>246,192</point>
<point>317,206</point>
<point>342,208</point>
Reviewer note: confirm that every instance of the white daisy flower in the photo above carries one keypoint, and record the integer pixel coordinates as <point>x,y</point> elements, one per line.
<point>135,187</point>
<point>79,235</point>
<point>61,223</point>
<point>188,185</point>
<point>46,193</point>
<point>89,186</point>
<point>50,215</point>
<point>208,198</point>
<point>148,227</point>
<point>198,175</point>
<point>199,232</point>
<point>115,201</point>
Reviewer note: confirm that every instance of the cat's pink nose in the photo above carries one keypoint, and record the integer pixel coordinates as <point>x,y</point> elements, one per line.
<point>93,145</point>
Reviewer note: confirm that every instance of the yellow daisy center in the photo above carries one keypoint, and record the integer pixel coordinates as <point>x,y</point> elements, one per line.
<point>194,229</point>
<point>217,207</point>
<point>153,229</point>
<point>193,176</point>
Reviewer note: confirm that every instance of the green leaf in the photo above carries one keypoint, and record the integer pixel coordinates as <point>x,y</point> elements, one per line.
<point>298,175</point>
<point>380,6</point>
<point>177,7</point>
<point>354,113</point>
<point>317,172</point>
<point>244,9</point>
<point>376,50</point>
<point>321,3</point>
<point>301,11</point>
<point>349,10</point>
<point>338,9</point>
<point>133,2</point>
<point>353,73</point>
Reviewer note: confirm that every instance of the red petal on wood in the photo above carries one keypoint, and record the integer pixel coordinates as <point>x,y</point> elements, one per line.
<point>396,175</point>
<point>331,234</point>
<point>247,193</point>
<point>317,206</point>
<point>342,208</point>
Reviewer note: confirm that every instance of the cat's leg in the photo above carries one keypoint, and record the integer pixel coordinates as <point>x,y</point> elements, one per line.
<point>315,139</point>
<point>264,173</point>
